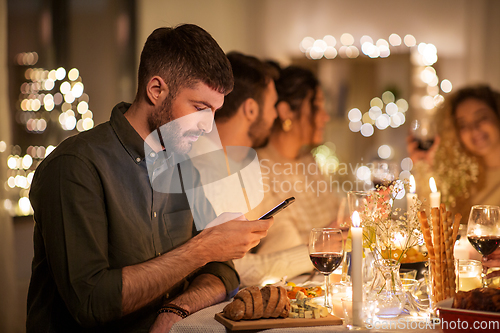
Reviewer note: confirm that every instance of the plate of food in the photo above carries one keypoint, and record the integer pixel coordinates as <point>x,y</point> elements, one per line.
<point>474,310</point>
<point>309,289</point>
<point>255,308</point>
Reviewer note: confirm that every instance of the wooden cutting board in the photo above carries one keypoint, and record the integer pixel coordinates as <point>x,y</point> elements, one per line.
<point>261,324</point>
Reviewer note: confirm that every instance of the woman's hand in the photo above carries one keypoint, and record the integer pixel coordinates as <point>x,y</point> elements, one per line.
<point>422,155</point>
<point>491,261</point>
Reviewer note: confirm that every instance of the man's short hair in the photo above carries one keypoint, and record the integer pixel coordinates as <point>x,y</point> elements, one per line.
<point>183,56</point>
<point>251,78</point>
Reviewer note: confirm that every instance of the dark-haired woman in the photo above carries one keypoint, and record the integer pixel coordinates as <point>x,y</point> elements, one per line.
<point>289,169</point>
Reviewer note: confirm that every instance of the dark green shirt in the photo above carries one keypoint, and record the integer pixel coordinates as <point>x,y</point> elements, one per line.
<point>95,213</point>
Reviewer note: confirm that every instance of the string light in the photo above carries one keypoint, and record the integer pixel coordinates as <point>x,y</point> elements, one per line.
<point>45,92</point>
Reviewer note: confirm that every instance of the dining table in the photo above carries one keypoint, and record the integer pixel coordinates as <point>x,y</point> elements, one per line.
<point>204,321</point>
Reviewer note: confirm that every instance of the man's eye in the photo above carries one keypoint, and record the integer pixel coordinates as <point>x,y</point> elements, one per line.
<point>200,108</point>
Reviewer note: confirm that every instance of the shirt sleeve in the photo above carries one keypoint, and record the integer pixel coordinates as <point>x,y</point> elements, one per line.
<point>226,272</point>
<point>70,211</point>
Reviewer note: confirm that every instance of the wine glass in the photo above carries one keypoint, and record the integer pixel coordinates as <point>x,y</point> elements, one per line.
<point>424,132</point>
<point>326,250</point>
<point>483,231</point>
<point>361,202</point>
<point>383,173</point>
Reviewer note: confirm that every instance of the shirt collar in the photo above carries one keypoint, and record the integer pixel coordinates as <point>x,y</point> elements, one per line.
<point>129,138</point>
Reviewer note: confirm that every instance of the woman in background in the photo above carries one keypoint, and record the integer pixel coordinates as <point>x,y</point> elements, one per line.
<point>468,157</point>
<point>288,167</point>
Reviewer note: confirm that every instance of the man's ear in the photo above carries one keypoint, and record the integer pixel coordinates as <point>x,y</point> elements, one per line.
<point>284,111</point>
<point>156,90</point>
<point>250,109</point>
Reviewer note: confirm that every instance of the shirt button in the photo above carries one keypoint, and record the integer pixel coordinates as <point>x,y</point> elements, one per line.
<point>154,214</point>
<point>152,154</point>
<point>138,159</point>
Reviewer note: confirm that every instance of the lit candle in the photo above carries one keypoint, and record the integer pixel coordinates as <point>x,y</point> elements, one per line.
<point>435,196</point>
<point>412,196</point>
<point>357,270</point>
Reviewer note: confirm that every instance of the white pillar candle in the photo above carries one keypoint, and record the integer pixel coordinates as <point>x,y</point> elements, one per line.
<point>338,311</point>
<point>435,196</point>
<point>411,197</point>
<point>357,270</point>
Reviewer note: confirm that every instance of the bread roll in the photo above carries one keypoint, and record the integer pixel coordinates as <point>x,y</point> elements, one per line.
<point>283,299</point>
<point>270,297</point>
<point>247,299</point>
<point>234,310</point>
<point>258,307</point>
<point>255,303</point>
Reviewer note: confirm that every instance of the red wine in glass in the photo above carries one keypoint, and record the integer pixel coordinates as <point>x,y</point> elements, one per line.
<point>326,251</point>
<point>483,231</point>
<point>425,144</point>
<point>485,245</point>
<point>423,131</point>
<point>326,262</point>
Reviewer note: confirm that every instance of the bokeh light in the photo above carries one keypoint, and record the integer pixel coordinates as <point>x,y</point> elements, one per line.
<point>73,74</point>
<point>347,39</point>
<point>395,40</point>
<point>384,152</point>
<point>446,86</point>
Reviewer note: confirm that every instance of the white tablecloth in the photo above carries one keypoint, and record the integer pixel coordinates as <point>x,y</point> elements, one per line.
<point>203,321</point>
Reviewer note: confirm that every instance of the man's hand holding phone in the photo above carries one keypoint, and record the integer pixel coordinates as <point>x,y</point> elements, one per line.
<point>234,238</point>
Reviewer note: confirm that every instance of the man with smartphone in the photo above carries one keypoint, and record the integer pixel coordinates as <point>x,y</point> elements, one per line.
<point>110,253</point>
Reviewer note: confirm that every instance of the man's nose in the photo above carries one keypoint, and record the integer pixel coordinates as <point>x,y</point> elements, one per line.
<point>205,120</point>
<point>206,125</point>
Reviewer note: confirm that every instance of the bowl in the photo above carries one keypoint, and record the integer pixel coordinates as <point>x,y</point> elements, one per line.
<point>419,266</point>
<point>459,320</point>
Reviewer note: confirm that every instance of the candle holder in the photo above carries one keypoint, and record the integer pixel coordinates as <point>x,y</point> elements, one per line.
<point>387,289</point>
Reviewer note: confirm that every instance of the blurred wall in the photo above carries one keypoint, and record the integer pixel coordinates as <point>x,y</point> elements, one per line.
<point>466,33</point>
<point>8,286</point>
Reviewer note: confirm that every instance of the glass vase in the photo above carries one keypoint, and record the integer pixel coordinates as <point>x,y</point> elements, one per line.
<point>387,289</point>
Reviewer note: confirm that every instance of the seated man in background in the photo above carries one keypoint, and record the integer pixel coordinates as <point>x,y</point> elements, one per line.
<point>111,254</point>
<point>246,119</point>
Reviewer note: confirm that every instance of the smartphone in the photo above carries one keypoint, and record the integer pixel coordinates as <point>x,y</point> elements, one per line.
<point>278,208</point>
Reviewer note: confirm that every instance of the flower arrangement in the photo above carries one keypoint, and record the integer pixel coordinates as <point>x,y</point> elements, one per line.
<point>388,232</point>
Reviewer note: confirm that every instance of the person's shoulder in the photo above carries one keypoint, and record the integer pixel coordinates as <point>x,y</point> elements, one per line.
<point>83,146</point>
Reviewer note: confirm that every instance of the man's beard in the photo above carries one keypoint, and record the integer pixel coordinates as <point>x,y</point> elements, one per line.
<point>258,133</point>
<point>169,130</point>
<point>161,115</point>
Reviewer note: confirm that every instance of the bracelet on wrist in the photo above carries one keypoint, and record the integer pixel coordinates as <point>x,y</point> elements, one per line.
<point>177,310</point>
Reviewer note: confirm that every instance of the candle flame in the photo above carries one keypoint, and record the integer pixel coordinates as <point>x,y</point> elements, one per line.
<point>413,185</point>
<point>432,185</point>
<point>356,221</point>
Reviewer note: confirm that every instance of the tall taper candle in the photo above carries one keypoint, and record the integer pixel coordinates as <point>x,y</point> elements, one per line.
<point>357,270</point>
<point>411,196</point>
<point>435,196</point>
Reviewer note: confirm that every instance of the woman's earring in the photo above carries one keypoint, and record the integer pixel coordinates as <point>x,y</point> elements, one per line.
<point>287,125</point>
